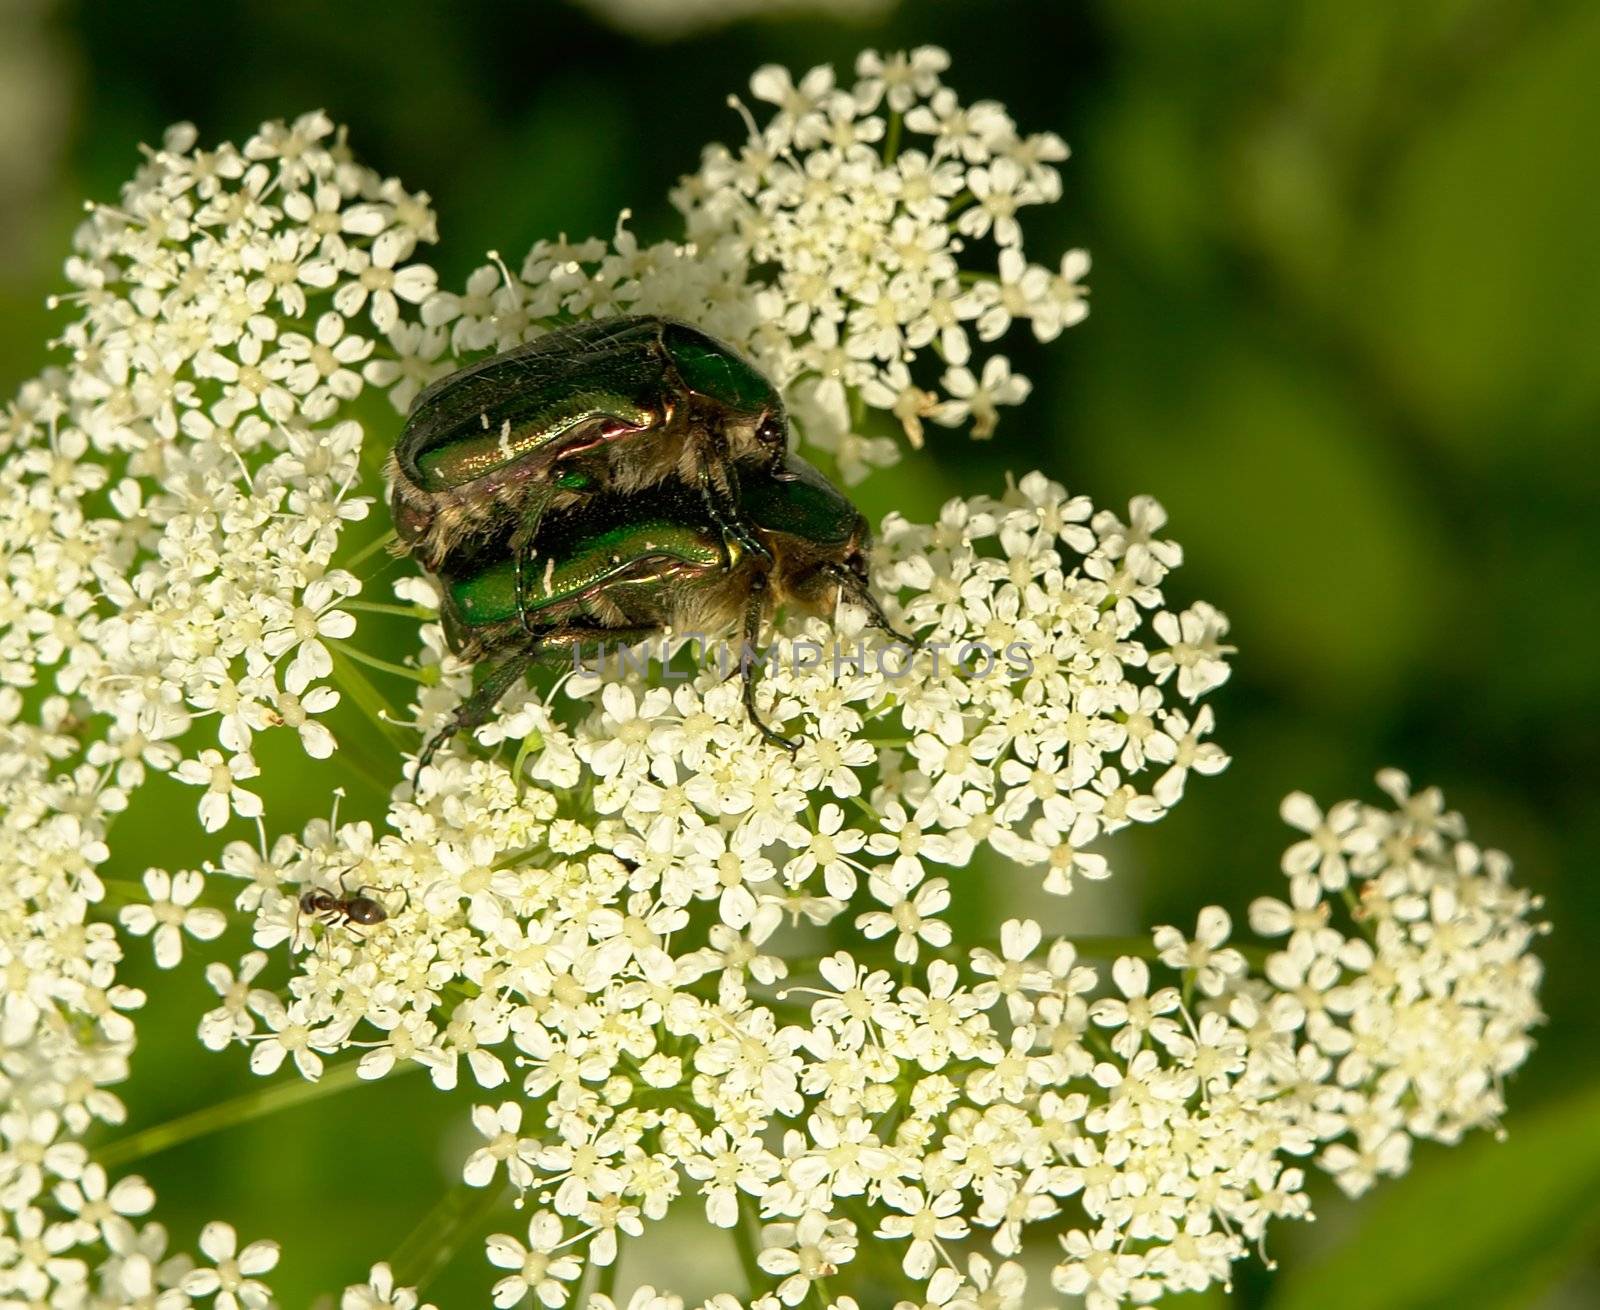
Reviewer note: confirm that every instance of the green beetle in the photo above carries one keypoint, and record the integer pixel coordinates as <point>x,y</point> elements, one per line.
<point>623,568</point>
<point>613,405</point>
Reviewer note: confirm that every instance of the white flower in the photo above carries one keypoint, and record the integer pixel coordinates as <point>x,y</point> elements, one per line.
<point>373,273</point>
<point>1136,1012</point>
<point>1193,650</point>
<point>1331,839</point>
<point>233,1278</point>
<point>504,1146</point>
<point>646,1297</point>
<point>926,1221</point>
<point>991,1288</point>
<point>800,1253</point>
<point>1014,973</point>
<point>171,913</point>
<point>910,916</point>
<point>304,629</point>
<point>230,1020</point>
<point>380,1293</point>
<point>1205,955</point>
<point>221,780</point>
<point>292,1031</point>
<point>298,712</point>
<point>100,1209</point>
<point>539,1271</point>
<point>980,399</point>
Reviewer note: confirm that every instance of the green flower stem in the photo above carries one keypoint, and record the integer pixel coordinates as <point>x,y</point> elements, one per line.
<point>866,808</point>
<point>424,676</point>
<point>442,1232</point>
<point>606,1283</point>
<point>366,696</point>
<point>1358,915</point>
<point>131,891</point>
<point>371,549</point>
<point>229,1114</point>
<point>891,138</point>
<point>378,773</point>
<point>1107,948</point>
<point>534,741</point>
<point>382,607</point>
<point>744,1241</point>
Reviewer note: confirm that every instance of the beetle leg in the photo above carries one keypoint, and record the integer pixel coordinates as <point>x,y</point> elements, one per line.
<point>478,708</point>
<point>723,507</point>
<point>754,607</point>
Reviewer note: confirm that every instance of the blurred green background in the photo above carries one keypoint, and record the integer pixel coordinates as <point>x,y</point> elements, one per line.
<point>1346,299</point>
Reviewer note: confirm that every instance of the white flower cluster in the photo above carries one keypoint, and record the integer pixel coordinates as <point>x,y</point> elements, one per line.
<point>1418,1008</point>
<point>1159,1125</point>
<point>169,509</point>
<point>832,248</point>
<point>1391,1018</point>
<point>1044,709</point>
<point>172,503</point>
<point>69,1235</point>
<point>702,972</point>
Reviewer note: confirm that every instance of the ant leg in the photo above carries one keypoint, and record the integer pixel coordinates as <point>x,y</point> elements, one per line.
<point>753,611</point>
<point>327,937</point>
<point>478,708</point>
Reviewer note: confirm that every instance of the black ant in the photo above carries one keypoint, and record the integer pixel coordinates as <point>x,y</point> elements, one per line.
<point>329,908</point>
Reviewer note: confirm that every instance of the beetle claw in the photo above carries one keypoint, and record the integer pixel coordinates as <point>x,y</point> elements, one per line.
<point>775,738</point>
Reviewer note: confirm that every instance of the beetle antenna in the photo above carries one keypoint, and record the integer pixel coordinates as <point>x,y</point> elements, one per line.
<point>861,594</point>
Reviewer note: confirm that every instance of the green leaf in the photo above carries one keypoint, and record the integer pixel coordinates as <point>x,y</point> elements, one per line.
<point>1484,1226</point>
<point>1300,521</point>
<point>1478,284</point>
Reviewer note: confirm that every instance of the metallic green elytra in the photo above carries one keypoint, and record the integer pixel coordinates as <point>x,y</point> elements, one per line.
<point>614,404</point>
<point>619,568</point>
<point>606,557</point>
